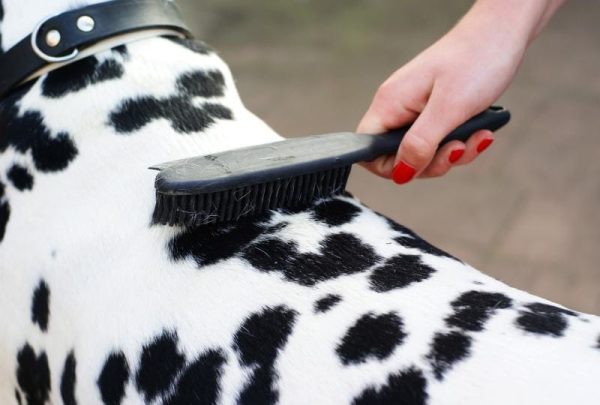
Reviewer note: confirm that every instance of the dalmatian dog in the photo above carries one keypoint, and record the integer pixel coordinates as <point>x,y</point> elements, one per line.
<point>333,304</point>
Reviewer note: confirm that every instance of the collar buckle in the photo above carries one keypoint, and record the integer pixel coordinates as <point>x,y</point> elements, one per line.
<point>44,56</point>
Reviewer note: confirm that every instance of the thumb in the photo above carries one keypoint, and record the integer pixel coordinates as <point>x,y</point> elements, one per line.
<point>389,109</point>
<point>419,146</point>
<point>378,120</point>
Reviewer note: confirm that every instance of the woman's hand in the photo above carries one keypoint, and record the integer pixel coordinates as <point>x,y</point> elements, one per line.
<point>456,78</point>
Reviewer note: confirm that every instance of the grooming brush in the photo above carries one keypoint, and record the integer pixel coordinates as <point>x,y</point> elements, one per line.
<point>291,173</point>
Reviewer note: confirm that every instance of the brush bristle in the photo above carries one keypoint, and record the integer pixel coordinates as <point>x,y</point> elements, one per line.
<point>231,205</point>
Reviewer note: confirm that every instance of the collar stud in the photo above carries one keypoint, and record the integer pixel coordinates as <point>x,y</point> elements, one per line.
<point>53,38</point>
<point>85,23</point>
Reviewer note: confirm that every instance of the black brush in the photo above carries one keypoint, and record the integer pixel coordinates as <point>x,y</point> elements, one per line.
<point>287,174</point>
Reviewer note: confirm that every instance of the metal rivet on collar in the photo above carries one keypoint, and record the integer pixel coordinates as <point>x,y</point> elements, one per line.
<point>53,38</point>
<point>85,23</point>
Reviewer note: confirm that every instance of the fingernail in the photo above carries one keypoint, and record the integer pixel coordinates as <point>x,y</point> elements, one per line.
<point>455,155</point>
<point>403,173</point>
<point>483,145</point>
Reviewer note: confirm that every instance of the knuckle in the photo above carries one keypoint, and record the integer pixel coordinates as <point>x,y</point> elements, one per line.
<point>456,106</point>
<point>385,94</point>
<point>387,86</point>
<point>419,149</point>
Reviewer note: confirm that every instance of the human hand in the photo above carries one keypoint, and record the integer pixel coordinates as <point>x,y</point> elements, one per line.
<point>456,78</point>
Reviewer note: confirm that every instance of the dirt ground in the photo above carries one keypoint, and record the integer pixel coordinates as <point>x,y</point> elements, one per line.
<point>527,212</point>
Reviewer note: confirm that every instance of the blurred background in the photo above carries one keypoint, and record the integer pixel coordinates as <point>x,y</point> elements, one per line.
<point>527,212</point>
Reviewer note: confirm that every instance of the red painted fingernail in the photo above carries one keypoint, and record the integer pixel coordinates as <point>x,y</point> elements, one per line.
<point>455,155</point>
<point>483,145</point>
<point>403,173</point>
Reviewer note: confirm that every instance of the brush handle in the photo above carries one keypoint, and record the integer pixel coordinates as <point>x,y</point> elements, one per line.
<point>491,119</point>
<point>290,158</point>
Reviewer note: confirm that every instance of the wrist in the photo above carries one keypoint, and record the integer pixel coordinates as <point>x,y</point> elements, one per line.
<point>517,21</point>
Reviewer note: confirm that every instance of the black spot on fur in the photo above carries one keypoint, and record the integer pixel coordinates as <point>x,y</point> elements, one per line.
<point>199,382</point>
<point>17,393</point>
<point>193,45</point>
<point>4,216</point>
<point>373,336</point>
<point>79,75</point>
<point>218,111</point>
<point>271,254</point>
<point>257,343</point>
<point>327,302</point>
<point>343,254</point>
<point>544,319</point>
<point>33,375</point>
<point>134,114</point>
<point>184,116</point>
<point>408,387</point>
<point>53,154</point>
<point>447,349</point>
<point>67,382</point>
<point>27,133</point>
<point>411,240</point>
<point>422,245</point>
<point>121,50</point>
<point>202,84</point>
<point>40,306</point>
<point>471,312</point>
<point>263,334</point>
<point>335,212</point>
<point>399,272</point>
<point>546,308</point>
<point>20,177</point>
<point>213,243</point>
<point>113,379</point>
<point>472,309</point>
<point>159,365</point>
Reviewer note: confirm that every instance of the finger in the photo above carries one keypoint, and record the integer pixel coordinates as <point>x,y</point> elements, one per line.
<point>475,145</point>
<point>456,153</point>
<point>440,116</point>
<point>397,102</point>
<point>444,159</point>
<point>382,166</point>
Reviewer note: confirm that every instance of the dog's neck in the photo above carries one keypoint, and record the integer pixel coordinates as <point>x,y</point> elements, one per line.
<point>155,85</point>
<point>84,136</point>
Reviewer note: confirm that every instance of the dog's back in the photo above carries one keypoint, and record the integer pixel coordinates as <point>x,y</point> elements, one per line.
<point>332,304</point>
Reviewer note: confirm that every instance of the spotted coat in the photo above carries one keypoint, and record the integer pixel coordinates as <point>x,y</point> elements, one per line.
<point>334,304</point>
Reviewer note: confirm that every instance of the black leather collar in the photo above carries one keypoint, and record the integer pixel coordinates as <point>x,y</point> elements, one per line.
<point>62,38</point>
